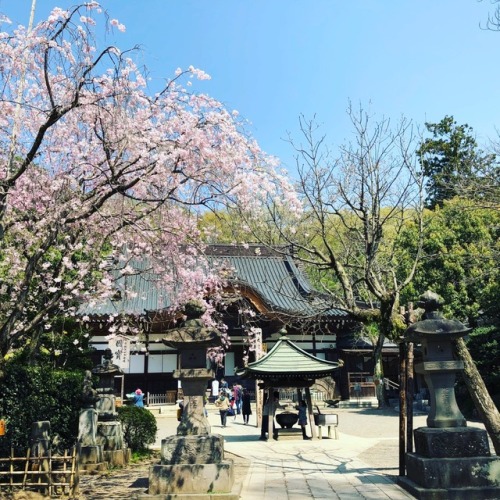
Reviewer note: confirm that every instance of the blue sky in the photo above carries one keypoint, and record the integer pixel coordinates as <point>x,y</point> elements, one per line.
<point>273,60</point>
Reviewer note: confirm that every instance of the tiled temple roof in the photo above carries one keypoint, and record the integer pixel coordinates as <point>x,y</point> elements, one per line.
<point>269,274</point>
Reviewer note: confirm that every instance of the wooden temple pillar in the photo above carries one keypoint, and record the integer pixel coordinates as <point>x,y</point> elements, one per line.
<point>311,414</point>
<point>270,400</point>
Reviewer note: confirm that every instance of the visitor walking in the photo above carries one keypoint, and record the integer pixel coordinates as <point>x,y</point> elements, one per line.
<point>246,406</point>
<point>138,398</point>
<point>180,410</point>
<point>303,418</point>
<point>224,386</point>
<point>237,397</point>
<point>222,402</point>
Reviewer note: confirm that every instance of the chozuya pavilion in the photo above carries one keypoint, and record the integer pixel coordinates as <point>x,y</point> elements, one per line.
<point>288,366</point>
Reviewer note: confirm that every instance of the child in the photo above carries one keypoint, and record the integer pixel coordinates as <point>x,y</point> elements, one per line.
<point>232,409</point>
<point>303,418</point>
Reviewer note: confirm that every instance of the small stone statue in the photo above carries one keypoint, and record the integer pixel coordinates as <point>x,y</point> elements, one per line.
<point>89,394</point>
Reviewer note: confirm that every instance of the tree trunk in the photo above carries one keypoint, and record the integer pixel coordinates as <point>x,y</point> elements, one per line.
<point>378,371</point>
<point>388,305</point>
<point>482,400</point>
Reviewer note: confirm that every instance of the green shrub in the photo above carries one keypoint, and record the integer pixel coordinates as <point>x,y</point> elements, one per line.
<point>139,427</point>
<point>32,393</point>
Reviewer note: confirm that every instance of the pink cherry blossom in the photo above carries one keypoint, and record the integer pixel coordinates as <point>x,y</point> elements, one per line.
<point>92,164</point>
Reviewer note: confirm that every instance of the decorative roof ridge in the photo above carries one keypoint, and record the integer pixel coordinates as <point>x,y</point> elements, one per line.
<point>247,250</point>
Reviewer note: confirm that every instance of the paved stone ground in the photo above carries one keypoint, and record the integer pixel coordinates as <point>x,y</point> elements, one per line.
<point>369,436</point>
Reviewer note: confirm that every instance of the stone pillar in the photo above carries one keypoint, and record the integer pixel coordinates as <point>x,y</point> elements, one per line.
<point>40,438</point>
<point>90,455</point>
<point>40,447</point>
<point>194,420</point>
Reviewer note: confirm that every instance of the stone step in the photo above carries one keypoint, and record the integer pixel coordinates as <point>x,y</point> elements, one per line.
<point>359,403</point>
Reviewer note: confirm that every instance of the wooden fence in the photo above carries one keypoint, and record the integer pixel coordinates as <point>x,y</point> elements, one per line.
<point>51,475</point>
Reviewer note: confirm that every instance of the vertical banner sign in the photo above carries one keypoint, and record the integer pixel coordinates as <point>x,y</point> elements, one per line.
<point>120,347</point>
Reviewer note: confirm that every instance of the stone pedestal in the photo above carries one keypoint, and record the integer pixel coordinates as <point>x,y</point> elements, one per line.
<point>110,437</point>
<point>192,450</point>
<point>452,463</point>
<point>91,459</point>
<point>451,442</point>
<point>192,464</point>
<point>183,480</point>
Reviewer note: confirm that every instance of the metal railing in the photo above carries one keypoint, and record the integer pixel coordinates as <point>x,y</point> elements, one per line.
<point>389,384</point>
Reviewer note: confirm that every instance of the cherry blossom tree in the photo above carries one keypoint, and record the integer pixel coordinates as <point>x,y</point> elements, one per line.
<point>91,162</point>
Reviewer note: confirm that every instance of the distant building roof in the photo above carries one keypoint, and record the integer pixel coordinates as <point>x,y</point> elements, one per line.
<point>288,362</point>
<point>270,274</point>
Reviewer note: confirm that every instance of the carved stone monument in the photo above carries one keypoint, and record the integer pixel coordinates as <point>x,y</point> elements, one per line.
<point>451,460</point>
<point>192,462</point>
<point>89,452</point>
<point>109,429</point>
<point>40,447</point>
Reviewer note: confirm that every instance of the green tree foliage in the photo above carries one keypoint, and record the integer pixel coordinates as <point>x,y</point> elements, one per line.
<point>32,393</point>
<point>139,427</point>
<point>64,345</point>
<point>448,158</point>
<point>461,260</point>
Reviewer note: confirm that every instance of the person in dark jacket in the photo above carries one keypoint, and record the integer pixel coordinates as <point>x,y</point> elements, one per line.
<point>246,407</point>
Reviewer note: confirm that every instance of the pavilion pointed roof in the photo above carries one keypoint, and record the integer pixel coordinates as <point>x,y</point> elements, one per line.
<point>287,363</point>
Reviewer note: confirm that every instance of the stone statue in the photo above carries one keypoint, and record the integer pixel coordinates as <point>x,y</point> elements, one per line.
<point>89,394</point>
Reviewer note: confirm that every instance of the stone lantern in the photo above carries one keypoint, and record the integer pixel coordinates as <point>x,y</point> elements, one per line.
<point>109,428</point>
<point>192,340</point>
<point>450,458</point>
<point>439,366</point>
<point>192,462</point>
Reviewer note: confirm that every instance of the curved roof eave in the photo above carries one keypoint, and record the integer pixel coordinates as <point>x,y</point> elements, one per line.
<point>287,360</point>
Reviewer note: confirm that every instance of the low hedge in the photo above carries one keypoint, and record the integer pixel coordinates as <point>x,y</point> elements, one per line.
<point>139,427</point>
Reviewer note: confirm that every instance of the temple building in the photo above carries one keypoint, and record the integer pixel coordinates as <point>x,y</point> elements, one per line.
<point>265,291</point>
